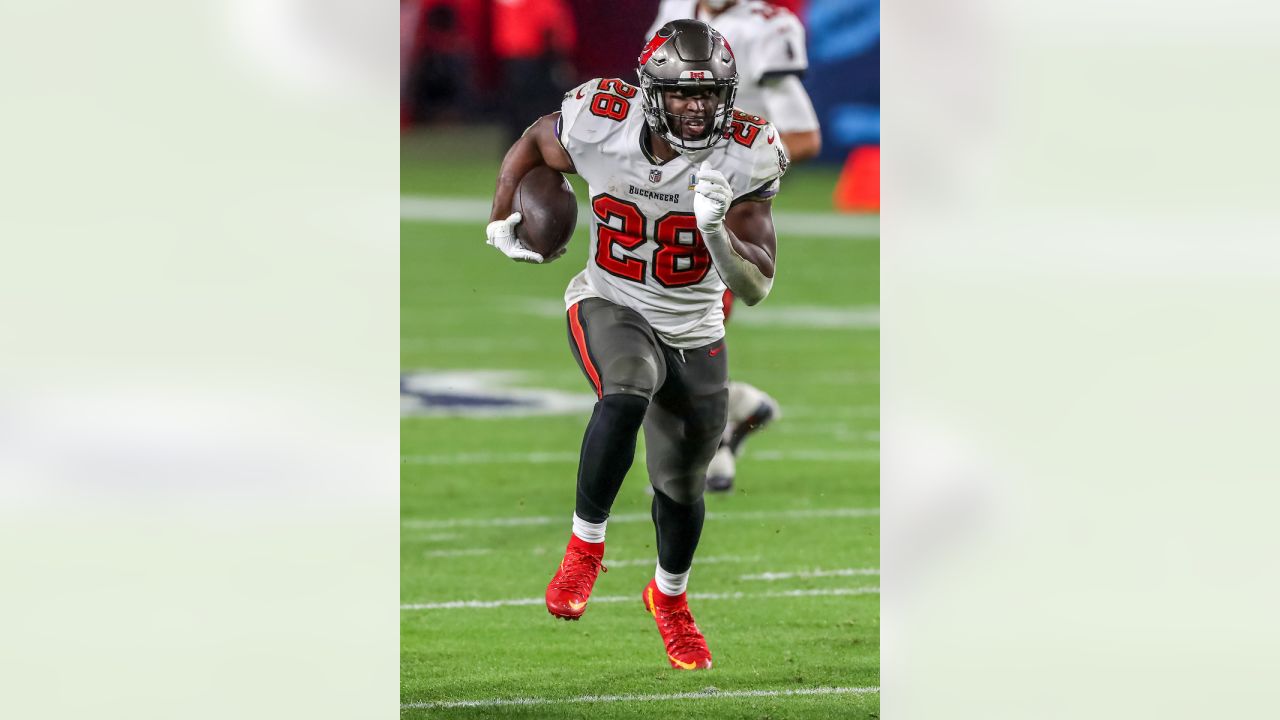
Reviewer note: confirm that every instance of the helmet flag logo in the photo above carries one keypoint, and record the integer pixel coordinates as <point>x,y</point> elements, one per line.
<point>658,41</point>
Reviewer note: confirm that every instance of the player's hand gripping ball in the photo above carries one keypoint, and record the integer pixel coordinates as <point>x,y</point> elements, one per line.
<point>502,235</point>
<point>712,197</point>
<point>545,212</point>
<point>549,210</point>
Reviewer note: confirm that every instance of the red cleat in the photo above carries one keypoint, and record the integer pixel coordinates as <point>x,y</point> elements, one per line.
<point>686,648</point>
<point>568,591</point>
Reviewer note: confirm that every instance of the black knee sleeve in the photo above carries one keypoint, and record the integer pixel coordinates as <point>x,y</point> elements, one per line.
<point>608,447</point>
<point>678,528</point>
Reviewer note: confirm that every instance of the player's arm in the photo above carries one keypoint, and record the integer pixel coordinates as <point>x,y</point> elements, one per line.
<point>803,145</point>
<point>751,233</point>
<point>740,238</point>
<point>537,146</point>
<point>783,57</point>
<point>788,106</point>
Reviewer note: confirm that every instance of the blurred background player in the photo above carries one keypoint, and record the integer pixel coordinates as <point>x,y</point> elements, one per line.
<point>436,62</point>
<point>534,40</point>
<point>769,44</point>
<point>680,183</point>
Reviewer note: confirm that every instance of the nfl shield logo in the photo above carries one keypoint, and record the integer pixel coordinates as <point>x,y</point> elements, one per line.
<point>655,176</point>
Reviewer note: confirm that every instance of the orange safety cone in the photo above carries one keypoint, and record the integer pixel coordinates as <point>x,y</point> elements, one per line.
<point>858,189</point>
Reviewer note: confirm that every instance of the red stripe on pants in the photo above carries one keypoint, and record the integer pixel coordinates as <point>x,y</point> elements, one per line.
<point>580,339</point>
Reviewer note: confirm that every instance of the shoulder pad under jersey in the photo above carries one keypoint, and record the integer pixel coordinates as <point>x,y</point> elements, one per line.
<point>594,110</point>
<point>755,158</point>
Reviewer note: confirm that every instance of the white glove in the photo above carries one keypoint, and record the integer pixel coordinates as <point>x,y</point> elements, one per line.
<point>711,200</point>
<point>502,235</point>
<point>712,197</point>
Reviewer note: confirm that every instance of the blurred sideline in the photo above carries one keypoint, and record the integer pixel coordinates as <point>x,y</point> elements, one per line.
<point>476,209</point>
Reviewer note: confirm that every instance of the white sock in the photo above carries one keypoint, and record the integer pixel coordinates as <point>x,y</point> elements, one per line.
<point>588,531</point>
<point>670,584</point>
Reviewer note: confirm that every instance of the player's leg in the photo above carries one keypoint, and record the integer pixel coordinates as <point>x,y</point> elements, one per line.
<point>750,409</point>
<point>682,430</point>
<point>619,354</point>
<point>677,505</point>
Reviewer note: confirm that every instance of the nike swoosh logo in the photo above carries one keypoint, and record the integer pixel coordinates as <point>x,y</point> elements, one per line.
<point>769,138</point>
<point>715,351</point>
<point>580,97</point>
<point>575,606</point>
<point>685,665</point>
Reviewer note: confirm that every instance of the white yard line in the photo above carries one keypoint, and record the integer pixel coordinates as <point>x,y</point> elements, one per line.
<point>551,458</point>
<point>475,210</point>
<point>840,431</point>
<point>437,537</point>
<point>457,553</point>
<point>713,560</point>
<point>805,317</point>
<point>708,694</point>
<point>727,516</point>
<point>471,343</point>
<point>808,317</point>
<point>630,562</point>
<point>514,602</point>
<point>844,572</point>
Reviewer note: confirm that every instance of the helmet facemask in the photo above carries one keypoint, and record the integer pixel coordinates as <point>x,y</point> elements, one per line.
<point>673,125</point>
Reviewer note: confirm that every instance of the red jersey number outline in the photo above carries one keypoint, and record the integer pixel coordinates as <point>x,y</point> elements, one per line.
<point>609,106</point>
<point>675,233</point>
<point>678,238</point>
<point>744,128</point>
<point>612,100</point>
<point>629,236</point>
<point>614,85</point>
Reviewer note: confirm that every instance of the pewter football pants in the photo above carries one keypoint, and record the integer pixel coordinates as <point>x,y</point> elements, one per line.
<point>687,391</point>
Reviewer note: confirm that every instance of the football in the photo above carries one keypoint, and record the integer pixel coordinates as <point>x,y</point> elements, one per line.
<point>548,209</point>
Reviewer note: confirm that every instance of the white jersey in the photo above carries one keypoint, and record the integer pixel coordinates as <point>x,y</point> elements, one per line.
<point>767,41</point>
<point>646,252</point>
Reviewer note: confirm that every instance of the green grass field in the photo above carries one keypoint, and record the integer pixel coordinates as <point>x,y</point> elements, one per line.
<point>486,502</point>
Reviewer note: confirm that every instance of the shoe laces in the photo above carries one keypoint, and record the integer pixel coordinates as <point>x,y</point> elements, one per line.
<point>578,572</point>
<point>681,632</point>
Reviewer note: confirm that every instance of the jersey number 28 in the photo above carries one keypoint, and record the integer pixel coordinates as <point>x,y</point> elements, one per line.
<point>610,106</point>
<point>680,260</point>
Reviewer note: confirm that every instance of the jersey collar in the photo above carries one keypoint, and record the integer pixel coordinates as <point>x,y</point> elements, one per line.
<point>648,153</point>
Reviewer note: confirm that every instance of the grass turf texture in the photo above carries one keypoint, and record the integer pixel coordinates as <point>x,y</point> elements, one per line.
<point>466,307</point>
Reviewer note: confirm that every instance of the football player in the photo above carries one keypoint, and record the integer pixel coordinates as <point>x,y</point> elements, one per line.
<point>769,42</point>
<point>681,189</point>
<point>770,45</point>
